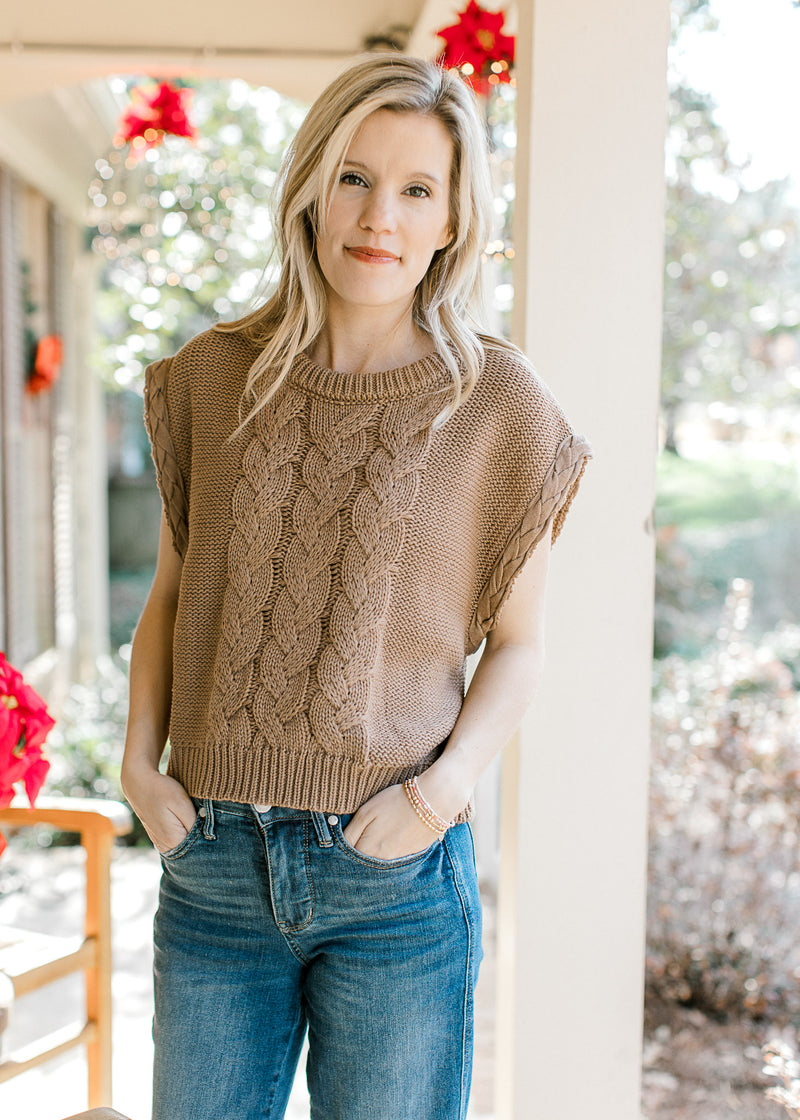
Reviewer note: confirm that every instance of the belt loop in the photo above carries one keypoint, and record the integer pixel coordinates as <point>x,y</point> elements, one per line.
<point>322,829</point>
<point>207,813</point>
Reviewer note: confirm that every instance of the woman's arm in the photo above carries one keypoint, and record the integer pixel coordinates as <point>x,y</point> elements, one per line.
<point>500,691</point>
<point>161,803</point>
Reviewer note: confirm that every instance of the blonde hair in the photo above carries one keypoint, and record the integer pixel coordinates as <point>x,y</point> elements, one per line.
<point>447,297</point>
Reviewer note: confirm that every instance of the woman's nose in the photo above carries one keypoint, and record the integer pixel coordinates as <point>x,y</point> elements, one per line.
<point>378,214</point>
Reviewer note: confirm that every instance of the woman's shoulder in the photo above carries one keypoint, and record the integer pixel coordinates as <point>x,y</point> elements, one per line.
<point>509,384</point>
<point>214,346</point>
<point>512,417</point>
<point>207,359</point>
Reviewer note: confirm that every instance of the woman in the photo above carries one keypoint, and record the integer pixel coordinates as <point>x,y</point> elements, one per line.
<point>358,490</point>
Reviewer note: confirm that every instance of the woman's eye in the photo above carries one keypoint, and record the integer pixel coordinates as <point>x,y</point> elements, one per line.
<point>351,178</point>
<point>418,191</point>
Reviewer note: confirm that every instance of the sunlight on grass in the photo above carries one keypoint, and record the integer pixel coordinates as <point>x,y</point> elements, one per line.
<point>731,488</point>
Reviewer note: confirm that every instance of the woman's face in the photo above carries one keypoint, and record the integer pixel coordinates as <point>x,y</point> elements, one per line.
<point>389,211</point>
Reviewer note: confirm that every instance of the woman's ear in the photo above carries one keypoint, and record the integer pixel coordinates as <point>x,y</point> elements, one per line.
<point>446,239</point>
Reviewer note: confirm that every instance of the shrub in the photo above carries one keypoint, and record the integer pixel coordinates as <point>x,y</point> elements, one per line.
<point>781,1062</point>
<point>681,621</point>
<point>724,878</point>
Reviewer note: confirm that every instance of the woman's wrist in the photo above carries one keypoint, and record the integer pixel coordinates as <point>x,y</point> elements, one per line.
<point>144,747</point>
<point>139,767</point>
<point>424,810</point>
<point>445,788</point>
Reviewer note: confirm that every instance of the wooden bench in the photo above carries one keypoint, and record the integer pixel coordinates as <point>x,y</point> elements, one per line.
<point>32,960</point>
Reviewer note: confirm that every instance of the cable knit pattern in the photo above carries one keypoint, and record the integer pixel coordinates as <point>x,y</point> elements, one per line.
<point>257,508</point>
<point>340,561</point>
<point>170,479</point>
<point>378,521</point>
<point>339,445</point>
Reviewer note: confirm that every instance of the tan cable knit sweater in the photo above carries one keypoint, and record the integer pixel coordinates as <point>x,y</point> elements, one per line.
<point>340,560</point>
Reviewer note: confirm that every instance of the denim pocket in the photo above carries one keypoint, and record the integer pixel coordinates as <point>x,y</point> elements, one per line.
<point>337,831</point>
<point>188,841</point>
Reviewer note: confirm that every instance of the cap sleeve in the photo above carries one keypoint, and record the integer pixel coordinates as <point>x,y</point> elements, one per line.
<point>165,438</point>
<point>548,508</point>
<point>529,462</point>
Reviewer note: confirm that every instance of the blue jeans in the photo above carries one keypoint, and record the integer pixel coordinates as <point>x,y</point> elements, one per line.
<point>270,924</point>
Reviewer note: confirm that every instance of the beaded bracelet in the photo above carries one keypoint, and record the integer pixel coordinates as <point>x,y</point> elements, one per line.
<point>424,811</point>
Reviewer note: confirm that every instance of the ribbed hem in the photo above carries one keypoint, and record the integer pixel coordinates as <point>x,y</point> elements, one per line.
<point>427,375</point>
<point>311,780</point>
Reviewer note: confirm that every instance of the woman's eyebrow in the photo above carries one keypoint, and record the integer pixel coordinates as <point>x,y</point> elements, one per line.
<point>411,175</point>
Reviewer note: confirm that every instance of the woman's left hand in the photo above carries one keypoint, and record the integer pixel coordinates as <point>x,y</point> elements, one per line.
<point>387,827</point>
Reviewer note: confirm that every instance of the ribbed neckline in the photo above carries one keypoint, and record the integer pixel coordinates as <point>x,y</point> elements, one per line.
<point>428,374</point>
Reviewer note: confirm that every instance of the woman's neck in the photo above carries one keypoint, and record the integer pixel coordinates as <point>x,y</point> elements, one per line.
<point>368,344</point>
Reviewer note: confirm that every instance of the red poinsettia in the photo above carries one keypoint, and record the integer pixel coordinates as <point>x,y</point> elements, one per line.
<point>47,364</point>
<point>154,112</point>
<point>477,46</point>
<point>24,726</point>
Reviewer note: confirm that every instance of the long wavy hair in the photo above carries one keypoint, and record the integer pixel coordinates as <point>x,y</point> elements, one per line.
<point>446,302</point>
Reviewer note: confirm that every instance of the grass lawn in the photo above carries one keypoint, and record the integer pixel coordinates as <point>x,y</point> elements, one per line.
<point>734,517</point>
<point>704,493</point>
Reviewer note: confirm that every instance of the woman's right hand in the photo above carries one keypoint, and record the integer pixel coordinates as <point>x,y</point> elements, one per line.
<point>161,804</point>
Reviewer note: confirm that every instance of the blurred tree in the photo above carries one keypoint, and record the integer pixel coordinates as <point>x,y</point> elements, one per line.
<point>731,298</point>
<point>500,106</point>
<point>185,230</point>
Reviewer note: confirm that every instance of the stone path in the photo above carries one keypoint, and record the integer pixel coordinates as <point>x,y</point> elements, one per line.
<point>44,891</point>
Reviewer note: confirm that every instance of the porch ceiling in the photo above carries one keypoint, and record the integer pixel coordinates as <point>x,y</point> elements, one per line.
<point>295,47</point>
<point>57,112</point>
<point>292,27</point>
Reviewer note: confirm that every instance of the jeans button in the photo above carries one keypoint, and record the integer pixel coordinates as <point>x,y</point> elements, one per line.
<point>333,820</point>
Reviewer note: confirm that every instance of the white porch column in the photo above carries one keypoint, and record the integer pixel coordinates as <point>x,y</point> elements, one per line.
<point>589,233</point>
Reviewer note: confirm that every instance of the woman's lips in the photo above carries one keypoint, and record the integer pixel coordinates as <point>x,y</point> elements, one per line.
<point>372,256</point>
